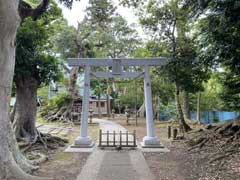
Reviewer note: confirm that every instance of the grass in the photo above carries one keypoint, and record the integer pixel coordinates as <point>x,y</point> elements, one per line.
<point>93,129</point>
<point>63,156</point>
<point>165,124</point>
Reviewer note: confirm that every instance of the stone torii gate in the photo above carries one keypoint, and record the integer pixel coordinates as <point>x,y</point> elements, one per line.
<point>116,66</point>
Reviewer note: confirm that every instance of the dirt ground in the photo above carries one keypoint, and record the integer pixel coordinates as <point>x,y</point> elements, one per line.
<point>178,164</point>
<point>66,166</point>
<point>181,164</point>
<point>63,166</point>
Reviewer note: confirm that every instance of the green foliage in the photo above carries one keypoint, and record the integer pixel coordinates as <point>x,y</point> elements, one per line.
<point>43,92</point>
<point>120,39</point>
<point>60,101</point>
<point>71,42</point>
<point>231,91</point>
<point>133,3</point>
<point>55,103</point>
<point>130,94</point>
<point>167,111</point>
<point>33,51</point>
<point>99,87</point>
<point>168,22</point>
<point>219,45</point>
<point>110,33</point>
<point>33,3</point>
<point>68,3</point>
<point>162,87</point>
<point>100,13</point>
<point>211,100</point>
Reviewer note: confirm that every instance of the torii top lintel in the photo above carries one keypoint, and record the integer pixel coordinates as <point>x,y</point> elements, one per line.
<point>121,61</point>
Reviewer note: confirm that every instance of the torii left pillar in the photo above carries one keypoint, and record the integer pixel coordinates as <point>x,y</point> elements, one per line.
<point>84,140</point>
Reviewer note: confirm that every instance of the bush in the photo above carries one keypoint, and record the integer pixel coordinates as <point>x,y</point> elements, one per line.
<point>55,103</point>
<point>60,100</point>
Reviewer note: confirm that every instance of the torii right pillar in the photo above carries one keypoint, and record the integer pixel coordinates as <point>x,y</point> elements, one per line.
<point>149,141</point>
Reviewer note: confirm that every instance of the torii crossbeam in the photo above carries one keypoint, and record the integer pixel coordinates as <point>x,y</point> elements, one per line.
<point>116,69</point>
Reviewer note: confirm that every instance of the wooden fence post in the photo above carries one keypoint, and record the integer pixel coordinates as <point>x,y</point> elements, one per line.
<point>169,132</point>
<point>175,132</point>
<point>120,138</point>
<point>127,138</point>
<point>107,138</point>
<point>134,138</point>
<point>114,134</point>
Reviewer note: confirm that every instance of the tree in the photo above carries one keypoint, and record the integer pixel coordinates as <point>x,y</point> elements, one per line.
<point>78,45</point>
<point>168,21</point>
<point>112,36</point>
<point>121,39</point>
<point>219,45</point>
<point>12,162</point>
<point>166,17</point>
<point>100,13</point>
<point>34,67</point>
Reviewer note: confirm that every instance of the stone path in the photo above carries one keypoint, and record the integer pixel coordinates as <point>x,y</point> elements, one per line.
<point>115,165</point>
<point>54,129</point>
<point>110,126</point>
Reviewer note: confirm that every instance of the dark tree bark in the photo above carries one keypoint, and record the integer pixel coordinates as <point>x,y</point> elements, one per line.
<point>12,163</point>
<point>180,117</point>
<point>185,105</point>
<point>24,116</point>
<point>26,108</point>
<point>72,82</point>
<point>25,10</point>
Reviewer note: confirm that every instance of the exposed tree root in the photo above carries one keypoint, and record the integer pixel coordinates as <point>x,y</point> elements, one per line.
<point>41,143</point>
<point>219,141</point>
<point>47,141</point>
<point>63,114</point>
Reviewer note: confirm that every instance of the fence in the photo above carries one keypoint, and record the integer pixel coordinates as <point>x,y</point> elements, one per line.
<point>215,116</point>
<point>117,139</point>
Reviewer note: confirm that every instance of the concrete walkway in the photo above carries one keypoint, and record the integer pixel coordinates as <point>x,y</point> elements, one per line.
<point>115,165</point>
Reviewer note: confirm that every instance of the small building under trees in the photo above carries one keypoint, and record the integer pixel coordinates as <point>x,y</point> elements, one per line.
<point>94,104</point>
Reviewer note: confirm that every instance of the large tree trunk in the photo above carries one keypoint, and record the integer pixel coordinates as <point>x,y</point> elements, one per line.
<point>185,105</point>
<point>73,91</point>
<point>26,108</point>
<point>72,82</point>
<point>183,125</point>
<point>64,113</point>
<point>198,108</point>
<point>11,160</point>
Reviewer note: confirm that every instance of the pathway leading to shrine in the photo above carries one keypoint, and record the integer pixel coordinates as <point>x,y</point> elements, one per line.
<point>113,164</point>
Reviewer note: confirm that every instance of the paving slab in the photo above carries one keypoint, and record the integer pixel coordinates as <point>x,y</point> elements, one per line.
<point>117,166</point>
<point>73,149</point>
<point>113,164</point>
<point>53,129</point>
<point>91,169</point>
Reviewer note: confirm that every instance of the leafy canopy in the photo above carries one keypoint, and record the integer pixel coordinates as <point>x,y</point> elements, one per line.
<point>34,56</point>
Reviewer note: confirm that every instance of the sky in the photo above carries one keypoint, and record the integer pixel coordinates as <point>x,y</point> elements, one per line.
<point>76,14</point>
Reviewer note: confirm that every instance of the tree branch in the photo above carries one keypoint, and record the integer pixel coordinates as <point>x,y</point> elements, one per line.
<point>25,9</point>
